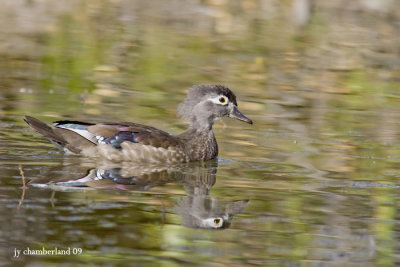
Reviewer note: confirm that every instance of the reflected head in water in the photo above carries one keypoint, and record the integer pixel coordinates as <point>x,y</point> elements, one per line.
<point>134,142</point>
<point>197,209</point>
<point>208,212</point>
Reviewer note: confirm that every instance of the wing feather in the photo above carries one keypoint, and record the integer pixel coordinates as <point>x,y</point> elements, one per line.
<point>115,134</point>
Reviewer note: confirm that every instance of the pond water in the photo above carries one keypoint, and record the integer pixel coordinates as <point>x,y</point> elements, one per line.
<point>314,181</point>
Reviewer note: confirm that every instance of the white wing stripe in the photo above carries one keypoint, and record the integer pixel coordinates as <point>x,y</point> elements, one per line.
<point>84,133</point>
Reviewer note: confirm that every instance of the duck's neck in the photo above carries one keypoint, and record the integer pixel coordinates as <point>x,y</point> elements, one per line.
<point>200,143</point>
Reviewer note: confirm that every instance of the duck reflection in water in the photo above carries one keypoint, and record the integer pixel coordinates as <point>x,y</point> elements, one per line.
<point>197,209</point>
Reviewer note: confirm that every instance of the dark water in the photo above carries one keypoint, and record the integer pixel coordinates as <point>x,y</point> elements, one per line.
<point>314,181</point>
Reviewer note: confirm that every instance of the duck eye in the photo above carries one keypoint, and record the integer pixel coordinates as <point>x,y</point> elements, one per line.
<point>222,100</point>
<point>217,221</point>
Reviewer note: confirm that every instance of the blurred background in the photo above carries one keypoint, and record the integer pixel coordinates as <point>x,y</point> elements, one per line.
<point>320,165</point>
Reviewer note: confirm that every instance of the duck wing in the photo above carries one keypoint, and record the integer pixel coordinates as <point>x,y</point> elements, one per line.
<point>76,136</point>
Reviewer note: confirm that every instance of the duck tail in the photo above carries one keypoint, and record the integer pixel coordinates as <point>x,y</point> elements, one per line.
<point>45,130</point>
<point>66,139</point>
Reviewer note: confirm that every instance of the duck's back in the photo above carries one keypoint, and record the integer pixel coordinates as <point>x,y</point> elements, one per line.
<point>113,141</point>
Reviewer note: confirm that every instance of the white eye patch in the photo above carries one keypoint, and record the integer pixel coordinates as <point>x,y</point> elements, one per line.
<point>216,222</point>
<point>221,100</point>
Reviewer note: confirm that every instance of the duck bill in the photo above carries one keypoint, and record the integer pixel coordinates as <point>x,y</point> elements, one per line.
<point>239,115</point>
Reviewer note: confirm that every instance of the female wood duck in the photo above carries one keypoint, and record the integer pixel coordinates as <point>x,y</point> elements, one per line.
<point>125,141</point>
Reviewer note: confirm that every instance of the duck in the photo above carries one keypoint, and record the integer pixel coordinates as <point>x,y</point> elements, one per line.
<point>133,142</point>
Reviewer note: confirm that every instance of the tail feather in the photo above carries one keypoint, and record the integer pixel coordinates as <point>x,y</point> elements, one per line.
<point>63,138</point>
<point>44,129</point>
